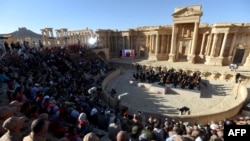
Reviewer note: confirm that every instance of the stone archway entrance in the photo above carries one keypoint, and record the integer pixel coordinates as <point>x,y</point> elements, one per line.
<point>238,56</point>
<point>142,51</point>
<point>183,50</point>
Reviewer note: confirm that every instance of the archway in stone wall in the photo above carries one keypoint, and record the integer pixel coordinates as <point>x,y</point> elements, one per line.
<point>102,55</point>
<point>183,49</point>
<point>142,51</point>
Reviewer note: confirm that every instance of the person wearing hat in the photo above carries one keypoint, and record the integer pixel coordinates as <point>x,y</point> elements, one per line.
<point>39,128</point>
<point>14,126</point>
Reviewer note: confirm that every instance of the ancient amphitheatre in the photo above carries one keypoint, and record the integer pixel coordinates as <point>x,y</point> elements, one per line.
<point>186,44</point>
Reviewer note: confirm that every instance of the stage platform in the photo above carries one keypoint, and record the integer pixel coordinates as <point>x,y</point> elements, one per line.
<point>167,89</point>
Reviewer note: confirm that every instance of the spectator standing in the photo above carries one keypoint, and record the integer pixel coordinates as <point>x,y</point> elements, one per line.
<point>113,129</point>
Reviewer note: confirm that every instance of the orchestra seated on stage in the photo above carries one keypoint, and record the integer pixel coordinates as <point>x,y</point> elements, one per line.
<point>176,78</point>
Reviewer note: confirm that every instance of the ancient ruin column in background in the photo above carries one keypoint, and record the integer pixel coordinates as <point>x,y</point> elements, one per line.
<point>108,40</point>
<point>223,44</point>
<point>72,38</point>
<point>162,43</point>
<point>151,43</point>
<point>167,46</point>
<point>82,38</point>
<point>202,45</point>
<point>147,43</point>
<point>116,44</point>
<point>247,63</point>
<point>196,24</point>
<point>212,53</point>
<point>172,49</point>
<point>208,48</point>
<point>128,41</point>
<point>123,42</point>
<point>173,45</point>
<point>156,44</point>
<point>232,48</point>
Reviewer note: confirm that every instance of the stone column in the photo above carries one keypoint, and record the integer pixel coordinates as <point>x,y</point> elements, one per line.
<point>109,37</point>
<point>208,48</point>
<point>173,41</point>
<point>57,34</point>
<point>72,37</point>
<point>128,42</point>
<point>116,46</point>
<point>183,31</point>
<point>188,32</point>
<point>123,42</point>
<point>232,48</point>
<point>212,53</point>
<point>202,45</point>
<point>81,38</point>
<point>223,44</point>
<point>173,45</point>
<point>159,43</point>
<point>68,35</point>
<point>51,33</point>
<point>180,48</point>
<point>47,33</point>
<point>167,46</point>
<point>148,44</point>
<point>151,43</point>
<point>196,24</point>
<point>147,39</point>
<point>156,44</point>
<point>162,43</point>
<point>247,63</point>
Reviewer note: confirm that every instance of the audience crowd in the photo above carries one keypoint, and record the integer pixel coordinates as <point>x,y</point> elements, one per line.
<point>55,94</point>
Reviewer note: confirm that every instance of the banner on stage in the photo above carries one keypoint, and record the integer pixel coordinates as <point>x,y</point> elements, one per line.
<point>128,53</point>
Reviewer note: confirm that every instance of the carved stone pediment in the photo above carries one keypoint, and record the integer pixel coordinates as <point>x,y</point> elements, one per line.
<point>187,11</point>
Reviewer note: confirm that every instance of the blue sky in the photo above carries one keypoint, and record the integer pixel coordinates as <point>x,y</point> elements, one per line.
<point>111,14</point>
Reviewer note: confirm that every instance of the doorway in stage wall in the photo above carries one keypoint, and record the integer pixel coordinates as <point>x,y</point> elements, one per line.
<point>238,56</point>
<point>183,51</point>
